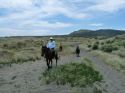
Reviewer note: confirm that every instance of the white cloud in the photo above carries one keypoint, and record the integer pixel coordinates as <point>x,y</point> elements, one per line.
<point>108,6</point>
<point>42,8</point>
<point>34,14</point>
<point>44,25</point>
<point>15,4</point>
<point>96,24</point>
<point>56,25</point>
<point>32,27</point>
<point>61,7</point>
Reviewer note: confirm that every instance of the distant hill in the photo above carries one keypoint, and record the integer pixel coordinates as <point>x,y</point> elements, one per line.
<point>97,33</point>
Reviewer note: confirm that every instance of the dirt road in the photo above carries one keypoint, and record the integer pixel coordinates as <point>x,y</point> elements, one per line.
<point>114,81</point>
<point>24,78</point>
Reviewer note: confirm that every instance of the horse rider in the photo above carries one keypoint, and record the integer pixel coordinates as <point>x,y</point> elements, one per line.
<point>51,45</point>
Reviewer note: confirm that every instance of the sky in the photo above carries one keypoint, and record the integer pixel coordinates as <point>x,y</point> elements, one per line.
<point>56,17</point>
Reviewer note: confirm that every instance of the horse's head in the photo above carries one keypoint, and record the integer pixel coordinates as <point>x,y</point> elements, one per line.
<point>43,50</point>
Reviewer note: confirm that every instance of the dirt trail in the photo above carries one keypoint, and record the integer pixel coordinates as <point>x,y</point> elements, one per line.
<point>24,78</point>
<point>114,81</point>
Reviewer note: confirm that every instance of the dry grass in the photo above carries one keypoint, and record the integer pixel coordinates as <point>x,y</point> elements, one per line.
<point>111,59</point>
<point>23,49</point>
<point>111,51</point>
<point>19,50</point>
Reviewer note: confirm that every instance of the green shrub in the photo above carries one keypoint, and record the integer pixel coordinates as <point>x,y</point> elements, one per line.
<point>102,43</point>
<point>89,46</point>
<point>75,74</point>
<point>5,45</point>
<point>95,47</point>
<point>109,41</point>
<point>109,48</point>
<point>97,42</point>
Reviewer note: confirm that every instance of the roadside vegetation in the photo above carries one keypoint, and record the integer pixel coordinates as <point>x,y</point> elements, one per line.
<point>19,50</point>
<point>23,49</point>
<point>111,51</point>
<point>73,74</point>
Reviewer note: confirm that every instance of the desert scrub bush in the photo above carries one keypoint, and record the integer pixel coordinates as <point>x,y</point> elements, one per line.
<point>5,45</point>
<point>97,42</point>
<point>109,48</point>
<point>24,56</point>
<point>74,74</point>
<point>95,47</point>
<point>89,46</point>
<point>20,56</point>
<point>109,41</point>
<point>102,43</point>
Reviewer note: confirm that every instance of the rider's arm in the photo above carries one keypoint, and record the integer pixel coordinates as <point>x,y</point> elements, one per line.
<point>54,44</point>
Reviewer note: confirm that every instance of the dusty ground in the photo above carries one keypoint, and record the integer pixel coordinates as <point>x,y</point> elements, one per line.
<point>24,78</point>
<point>114,81</point>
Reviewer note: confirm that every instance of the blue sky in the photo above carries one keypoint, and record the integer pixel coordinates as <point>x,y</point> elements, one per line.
<point>46,17</point>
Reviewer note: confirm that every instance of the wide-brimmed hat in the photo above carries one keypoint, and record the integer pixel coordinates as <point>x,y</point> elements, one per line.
<point>51,37</point>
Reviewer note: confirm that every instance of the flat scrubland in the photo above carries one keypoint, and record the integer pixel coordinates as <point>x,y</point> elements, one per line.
<point>19,50</point>
<point>23,49</point>
<point>72,75</point>
<point>111,51</point>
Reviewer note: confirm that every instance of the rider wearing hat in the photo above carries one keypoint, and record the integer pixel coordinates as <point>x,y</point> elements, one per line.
<point>51,45</point>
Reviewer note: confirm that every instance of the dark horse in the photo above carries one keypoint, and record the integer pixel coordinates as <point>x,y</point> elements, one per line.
<point>49,56</point>
<point>77,51</point>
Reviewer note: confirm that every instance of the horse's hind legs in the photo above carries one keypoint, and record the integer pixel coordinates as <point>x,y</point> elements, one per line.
<point>51,63</point>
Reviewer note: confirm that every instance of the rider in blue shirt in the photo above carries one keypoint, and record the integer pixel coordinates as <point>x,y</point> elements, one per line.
<point>51,44</point>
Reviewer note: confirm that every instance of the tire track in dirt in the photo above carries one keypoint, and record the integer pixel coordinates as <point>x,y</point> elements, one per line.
<point>114,80</point>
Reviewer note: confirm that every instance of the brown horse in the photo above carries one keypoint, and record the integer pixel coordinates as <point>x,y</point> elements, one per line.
<point>49,56</point>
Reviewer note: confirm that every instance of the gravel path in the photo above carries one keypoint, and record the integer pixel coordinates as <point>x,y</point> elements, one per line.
<point>114,81</point>
<point>24,78</point>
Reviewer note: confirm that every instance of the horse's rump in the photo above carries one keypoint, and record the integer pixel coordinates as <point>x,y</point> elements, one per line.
<point>77,50</point>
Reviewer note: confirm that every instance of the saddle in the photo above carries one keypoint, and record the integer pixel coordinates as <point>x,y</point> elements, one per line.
<point>52,50</point>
